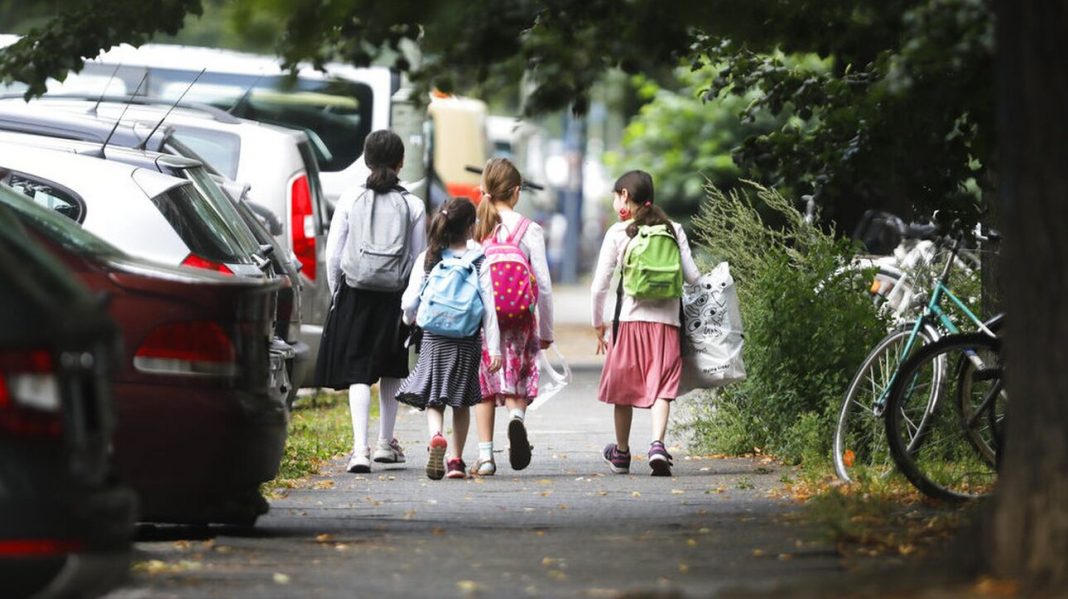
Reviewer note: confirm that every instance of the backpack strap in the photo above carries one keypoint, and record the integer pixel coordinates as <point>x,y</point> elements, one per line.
<point>520,230</point>
<point>619,292</point>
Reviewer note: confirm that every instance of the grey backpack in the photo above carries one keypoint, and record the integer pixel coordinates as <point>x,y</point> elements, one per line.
<point>377,253</point>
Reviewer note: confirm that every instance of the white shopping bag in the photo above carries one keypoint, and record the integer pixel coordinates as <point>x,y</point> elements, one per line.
<point>712,332</point>
<point>551,380</point>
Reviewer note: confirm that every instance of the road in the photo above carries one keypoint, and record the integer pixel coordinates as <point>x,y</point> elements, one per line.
<point>564,527</point>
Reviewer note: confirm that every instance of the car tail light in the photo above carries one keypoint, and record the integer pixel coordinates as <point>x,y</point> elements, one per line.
<point>29,394</point>
<point>42,547</point>
<point>302,224</point>
<point>187,348</point>
<point>196,261</point>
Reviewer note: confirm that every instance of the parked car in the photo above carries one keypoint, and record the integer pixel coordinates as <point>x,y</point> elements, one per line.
<point>200,423</point>
<point>279,164</point>
<point>58,127</point>
<point>65,523</point>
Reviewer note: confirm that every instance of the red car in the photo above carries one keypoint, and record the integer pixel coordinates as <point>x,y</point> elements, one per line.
<point>200,424</point>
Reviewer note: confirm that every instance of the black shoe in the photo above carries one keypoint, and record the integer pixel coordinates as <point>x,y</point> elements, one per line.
<point>518,445</point>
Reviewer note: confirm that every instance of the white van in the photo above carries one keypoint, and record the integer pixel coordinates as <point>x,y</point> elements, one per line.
<point>336,108</point>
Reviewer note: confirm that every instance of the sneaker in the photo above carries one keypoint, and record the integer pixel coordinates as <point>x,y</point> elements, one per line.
<point>659,459</point>
<point>435,464</point>
<point>619,461</point>
<point>485,468</point>
<point>389,452</point>
<point>518,445</point>
<point>456,468</point>
<point>360,462</point>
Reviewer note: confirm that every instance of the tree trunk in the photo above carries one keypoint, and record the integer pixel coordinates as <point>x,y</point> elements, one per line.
<point>1028,535</point>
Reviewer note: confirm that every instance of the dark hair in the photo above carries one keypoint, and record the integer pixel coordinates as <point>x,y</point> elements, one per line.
<point>383,151</point>
<point>500,178</point>
<point>450,225</point>
<point>639,186</point>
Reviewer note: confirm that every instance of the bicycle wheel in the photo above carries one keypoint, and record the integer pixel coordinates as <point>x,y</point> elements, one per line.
<point>927,441</point>
<point>981,404</point>
<point>860,449</point>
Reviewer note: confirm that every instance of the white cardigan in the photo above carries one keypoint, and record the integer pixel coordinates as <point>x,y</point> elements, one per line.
<point>410,300</point>
<point>533,247</point>
<point>608,261</point>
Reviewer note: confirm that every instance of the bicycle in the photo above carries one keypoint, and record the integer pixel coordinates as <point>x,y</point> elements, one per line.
<point>949,454</point>
<point>860,447</point>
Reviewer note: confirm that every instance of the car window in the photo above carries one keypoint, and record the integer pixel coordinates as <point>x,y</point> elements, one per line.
<point>199,225</point>
<point>219,149</point>
<point>25,267</point>
<point>221,203</point>
<point>50,196</point>
<point>59,228</point>
<point>335,113</point>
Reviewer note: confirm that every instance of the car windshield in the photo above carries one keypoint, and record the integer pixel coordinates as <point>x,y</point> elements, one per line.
<point>200,226</point>
<point>55,225</point>
<point>224,207</point>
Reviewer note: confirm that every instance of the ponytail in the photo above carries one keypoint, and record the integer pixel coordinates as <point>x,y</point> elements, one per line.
<point>500,181</point>
<point>449,226</point>
<point>383,152</point>
<point>488,218</point>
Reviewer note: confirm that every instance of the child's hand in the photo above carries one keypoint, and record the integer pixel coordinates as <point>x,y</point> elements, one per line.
<point>494,365</point>
<point>602,345</point>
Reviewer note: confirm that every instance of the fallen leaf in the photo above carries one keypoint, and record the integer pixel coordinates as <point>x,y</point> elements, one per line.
<point>684,568</point>
<point>635,494</point>
<point>691,542</point>
<point>280,578</point>
<point>468,586</point>
<point>758,552</point>
<point>677,491</point>
<point>557,575</point>
<point>324,538</point>
<point>323,484</point>
<point>785,557</point>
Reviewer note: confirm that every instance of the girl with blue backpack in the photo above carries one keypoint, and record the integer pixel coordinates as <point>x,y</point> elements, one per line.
<point>643,361</point>
<point>515,259</point>
<point>450,298</point>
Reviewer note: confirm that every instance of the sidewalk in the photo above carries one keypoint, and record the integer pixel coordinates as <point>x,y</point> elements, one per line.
<point>572,326</point>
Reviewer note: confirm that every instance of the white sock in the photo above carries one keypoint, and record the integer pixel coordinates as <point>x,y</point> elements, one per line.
<point>387,407</point>
<point>359,409</point>
<point>517,413</point>
<point>485,451</point>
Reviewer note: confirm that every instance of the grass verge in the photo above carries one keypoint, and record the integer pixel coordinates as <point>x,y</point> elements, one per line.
<point>320,429</point>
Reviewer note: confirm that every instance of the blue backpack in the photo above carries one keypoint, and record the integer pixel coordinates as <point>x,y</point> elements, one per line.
<point>449,302</point>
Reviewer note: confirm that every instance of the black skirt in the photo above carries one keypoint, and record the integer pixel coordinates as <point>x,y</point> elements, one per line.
<point>363,339</point>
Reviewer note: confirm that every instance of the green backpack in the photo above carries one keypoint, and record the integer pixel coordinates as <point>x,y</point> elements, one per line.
<point>652,264</point>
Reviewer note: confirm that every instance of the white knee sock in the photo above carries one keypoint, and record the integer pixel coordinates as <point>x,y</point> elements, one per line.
<point>517,413</point>
<point>359,409</point>
<point>387,407</point>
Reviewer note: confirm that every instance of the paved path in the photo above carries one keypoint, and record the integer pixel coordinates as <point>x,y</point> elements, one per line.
<point>564,527</point>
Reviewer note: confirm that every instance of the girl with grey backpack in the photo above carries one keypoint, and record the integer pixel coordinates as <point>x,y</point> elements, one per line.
<point>377,231</point>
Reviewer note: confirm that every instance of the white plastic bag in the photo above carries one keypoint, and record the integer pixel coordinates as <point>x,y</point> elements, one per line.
<point>712,329</point>
<point>551,380</point>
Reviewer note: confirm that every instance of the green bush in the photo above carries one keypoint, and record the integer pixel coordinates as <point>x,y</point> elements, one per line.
<point>808,325</point>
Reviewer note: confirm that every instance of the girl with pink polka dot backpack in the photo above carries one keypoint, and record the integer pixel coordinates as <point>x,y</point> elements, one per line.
<point>514,247</point>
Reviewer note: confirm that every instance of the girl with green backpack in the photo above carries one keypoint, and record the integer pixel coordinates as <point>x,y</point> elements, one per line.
<point>643,360</point>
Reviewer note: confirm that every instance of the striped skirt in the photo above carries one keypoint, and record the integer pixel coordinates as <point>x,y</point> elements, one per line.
<point>445,375</point>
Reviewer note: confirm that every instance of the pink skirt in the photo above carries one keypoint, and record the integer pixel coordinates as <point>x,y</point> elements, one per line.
<point>642,366</point>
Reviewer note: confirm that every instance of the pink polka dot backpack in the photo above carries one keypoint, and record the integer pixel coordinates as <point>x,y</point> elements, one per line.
<point>515,290</point>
